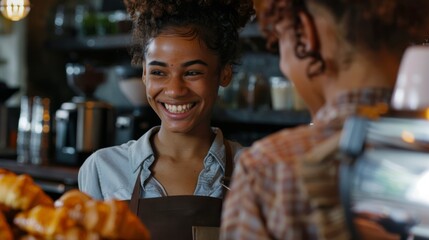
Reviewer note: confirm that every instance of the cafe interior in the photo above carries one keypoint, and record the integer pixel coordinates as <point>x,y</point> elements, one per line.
<point>68,88</point>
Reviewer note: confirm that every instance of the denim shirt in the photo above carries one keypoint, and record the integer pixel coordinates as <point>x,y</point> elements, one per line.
<point>110,173</point>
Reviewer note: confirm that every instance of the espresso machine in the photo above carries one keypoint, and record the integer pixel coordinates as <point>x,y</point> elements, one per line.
<point>85,124</point>
<point>384,172</point>
<point>385,175</point>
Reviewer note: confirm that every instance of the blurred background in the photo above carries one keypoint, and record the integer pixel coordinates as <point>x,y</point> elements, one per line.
<point>76,49</point>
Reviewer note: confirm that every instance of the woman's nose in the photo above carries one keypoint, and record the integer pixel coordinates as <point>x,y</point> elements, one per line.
<point>176,86</point>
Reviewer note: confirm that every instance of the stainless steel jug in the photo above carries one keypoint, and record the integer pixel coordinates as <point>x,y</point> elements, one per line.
<point>82,127</point>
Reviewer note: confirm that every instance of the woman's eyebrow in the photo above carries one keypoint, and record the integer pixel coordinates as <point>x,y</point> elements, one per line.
<point>186,64</point>
<point>158,63</point>
<point>189,63</point>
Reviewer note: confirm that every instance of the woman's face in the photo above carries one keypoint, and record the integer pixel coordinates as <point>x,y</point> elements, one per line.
<point>182,77</point>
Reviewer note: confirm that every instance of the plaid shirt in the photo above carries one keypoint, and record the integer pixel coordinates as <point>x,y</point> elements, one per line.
<point>265,201</point>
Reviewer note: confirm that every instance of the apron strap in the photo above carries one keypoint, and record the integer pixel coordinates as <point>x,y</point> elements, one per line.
<point>228,164</point>
<point>134,202</point>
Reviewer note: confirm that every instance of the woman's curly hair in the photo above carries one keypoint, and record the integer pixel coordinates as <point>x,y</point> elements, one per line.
<point>216,22</point>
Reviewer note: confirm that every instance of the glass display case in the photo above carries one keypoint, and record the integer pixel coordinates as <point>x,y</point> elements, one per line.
<point>387,183</point>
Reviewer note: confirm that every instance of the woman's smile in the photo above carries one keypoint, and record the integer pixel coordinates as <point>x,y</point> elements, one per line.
<point>178,108</point>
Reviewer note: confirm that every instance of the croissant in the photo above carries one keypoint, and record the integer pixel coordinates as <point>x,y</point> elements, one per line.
<point>52,223</point>
<point>72,198</point>
<point>111,219</point>
<point>20,192</point>
<point>46,221</point>
<point>5,172</point>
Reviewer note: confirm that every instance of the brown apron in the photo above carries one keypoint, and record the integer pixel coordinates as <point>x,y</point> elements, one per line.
<point>179,217</point>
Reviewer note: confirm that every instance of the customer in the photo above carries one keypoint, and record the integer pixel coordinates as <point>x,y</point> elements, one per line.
<point>343,58</point>
<point>187,50</point>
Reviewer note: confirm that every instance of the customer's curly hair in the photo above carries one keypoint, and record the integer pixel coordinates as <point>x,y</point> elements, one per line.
<point>216,22</point>
<point>365,24</point>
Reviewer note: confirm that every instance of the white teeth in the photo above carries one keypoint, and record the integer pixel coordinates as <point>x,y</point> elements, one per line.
<point>178,108</point>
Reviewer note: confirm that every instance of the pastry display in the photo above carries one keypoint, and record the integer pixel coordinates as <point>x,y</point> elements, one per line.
<point>28,213</point>
<point>19,192</point>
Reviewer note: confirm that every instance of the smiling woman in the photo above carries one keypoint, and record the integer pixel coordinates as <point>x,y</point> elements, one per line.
<point>183,77</point>
<point>187,50</point>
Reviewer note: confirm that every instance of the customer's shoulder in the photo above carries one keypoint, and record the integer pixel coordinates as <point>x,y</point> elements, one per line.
<point>285,137</point>
<point>282,146</point>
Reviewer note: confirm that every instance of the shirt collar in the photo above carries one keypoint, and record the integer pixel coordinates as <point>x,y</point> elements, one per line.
<point>217,149</point>
<point>370,102</point>
<point>142,150</point>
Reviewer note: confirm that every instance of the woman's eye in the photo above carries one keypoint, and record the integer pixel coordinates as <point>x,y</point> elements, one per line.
<point>157,73</point>
<point>192,73</point>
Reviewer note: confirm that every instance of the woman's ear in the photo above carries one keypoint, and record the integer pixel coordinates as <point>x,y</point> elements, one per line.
<point>308,32</point>
<point>226,76</point>
<point>144,74</point>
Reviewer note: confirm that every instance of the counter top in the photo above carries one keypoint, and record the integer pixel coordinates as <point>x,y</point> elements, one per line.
<point>66,175</point>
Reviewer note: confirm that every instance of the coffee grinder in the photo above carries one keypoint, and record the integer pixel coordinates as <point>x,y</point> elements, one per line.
<point>85,124</point>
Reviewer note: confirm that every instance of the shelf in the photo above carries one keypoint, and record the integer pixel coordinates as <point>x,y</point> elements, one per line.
<point>91,43</point>
<point>121,40</point>
<point>262,117</point>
